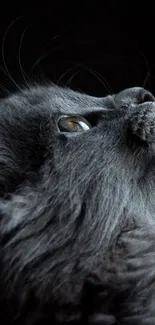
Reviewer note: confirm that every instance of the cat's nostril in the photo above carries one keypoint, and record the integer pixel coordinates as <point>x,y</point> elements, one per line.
<point>146,96</point>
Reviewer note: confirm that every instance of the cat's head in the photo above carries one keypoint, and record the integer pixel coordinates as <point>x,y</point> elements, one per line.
<point>74,171</point>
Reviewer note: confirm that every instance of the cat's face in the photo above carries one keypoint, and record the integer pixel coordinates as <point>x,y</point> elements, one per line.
<point>74,170</point>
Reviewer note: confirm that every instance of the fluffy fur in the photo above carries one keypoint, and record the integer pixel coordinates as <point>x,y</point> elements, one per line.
<point>77,209</point>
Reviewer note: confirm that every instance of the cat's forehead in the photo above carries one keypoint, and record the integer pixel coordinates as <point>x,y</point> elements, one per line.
<point>54,99</point>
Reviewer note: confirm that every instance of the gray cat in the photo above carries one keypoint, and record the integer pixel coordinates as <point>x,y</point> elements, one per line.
<point>77,208</point>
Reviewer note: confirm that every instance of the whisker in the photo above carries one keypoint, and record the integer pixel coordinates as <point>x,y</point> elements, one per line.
<point>42,57</point>
<point>147,67</point>
<point>3,56</point>
<point>2,87</point>
<point>44,54</point>
<point>19,55</point>
<point>100,77</point>
<point>5,90</point>
<point>63,75</point>
<point>68,83</point>
<point>146,80</point>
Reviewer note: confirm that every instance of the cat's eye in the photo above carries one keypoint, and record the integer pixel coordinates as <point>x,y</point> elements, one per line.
<point>73,124</point>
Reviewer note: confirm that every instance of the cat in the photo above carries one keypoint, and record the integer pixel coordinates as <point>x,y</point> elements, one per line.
<point>77,207</point>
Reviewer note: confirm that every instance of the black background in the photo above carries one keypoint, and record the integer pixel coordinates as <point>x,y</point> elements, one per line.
<point>97,48</point>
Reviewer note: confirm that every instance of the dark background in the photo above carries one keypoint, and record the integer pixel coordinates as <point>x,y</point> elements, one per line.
<point>89,47</point>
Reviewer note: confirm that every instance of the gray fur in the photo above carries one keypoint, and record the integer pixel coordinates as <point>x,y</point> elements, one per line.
<point>77,205</point>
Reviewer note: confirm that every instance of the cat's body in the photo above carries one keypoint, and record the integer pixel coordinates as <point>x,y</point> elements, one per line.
<point>77,209</point>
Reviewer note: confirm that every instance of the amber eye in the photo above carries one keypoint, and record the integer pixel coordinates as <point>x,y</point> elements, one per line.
<point>73,124</point>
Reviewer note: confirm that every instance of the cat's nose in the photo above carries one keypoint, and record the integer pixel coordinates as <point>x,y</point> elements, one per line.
<point>146,96</point>
<point>134,95</point>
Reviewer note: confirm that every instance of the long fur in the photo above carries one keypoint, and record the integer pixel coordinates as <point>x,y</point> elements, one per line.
<point>77,225</point>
